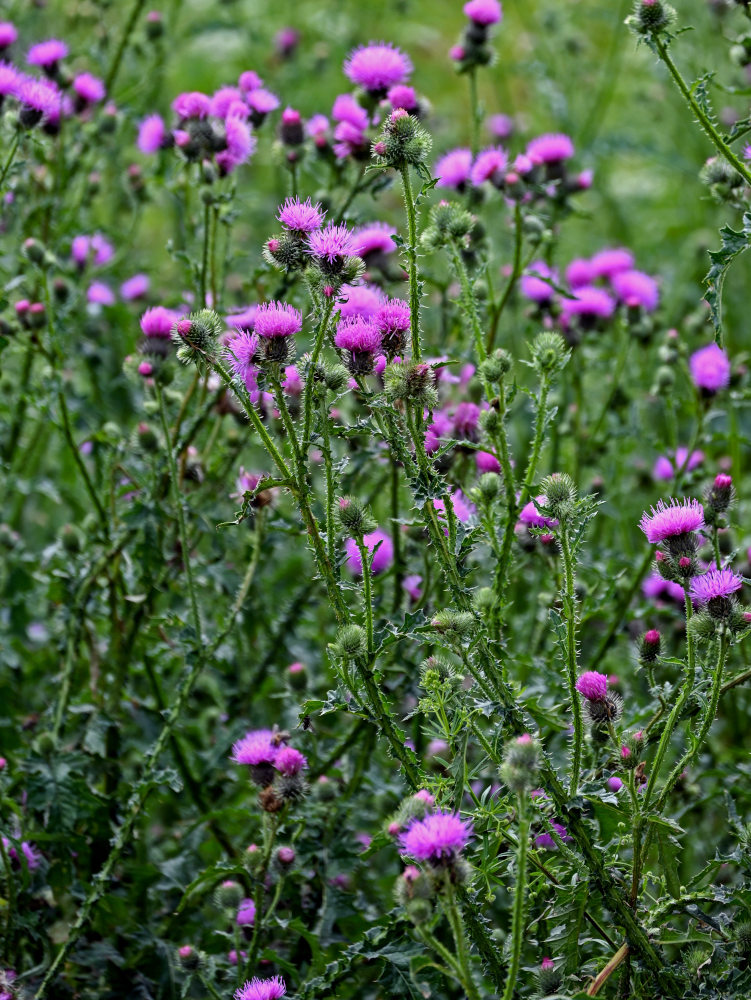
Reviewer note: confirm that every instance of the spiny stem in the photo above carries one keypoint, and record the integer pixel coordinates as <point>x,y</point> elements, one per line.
<point>114,69</point>
<point>571,664</point>
<point>414,291</point>
<point>520,897</point>
<point>310,381</point>
<point>366,590</point>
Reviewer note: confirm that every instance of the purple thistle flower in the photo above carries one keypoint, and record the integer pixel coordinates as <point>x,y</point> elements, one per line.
<point>593,686</point>
<point>483,12</point>
<point>614,784</point>
<point>152,134</point>
<point>300,216</point>
<point>292,383</point>
<point>241,143</point>
<point>241,352</point>
<point>277,319</point>
<point>8,34</point>
<point>359,300</point>
<point>262,989</point>
<point>256,747</point>
<point>438,836</point>
<point>674,518</point>
<point>377,66</point>
<point>331,243</point>
<point>545,839</point>
<point>358,335</point>
<point>47,54</point>
<point>636,288</point>
<point>533,286</point>
<point>710,368</point>
<point>289,762</point>
<point>550,148</point>
<point>158,322</point>
<point>608,262</point>
<point>100,294</point>
<point>317,129</point>
<point>393,317</point>
<point>500,126</point>
<point>10,79</point>
<point>246,914</point>
<point>135,287</point>
<point>713,584</point>
<point>89,88</point>
<point>402,96</point>
<point>382,558</point>
<point>490,165</point>
<point>589,303</point>
<point>530,515</point>
<point>262,101</point>
<point>42,98</point>
<point>666,468</point>
<point>462,508</point>
<point>243,320</point>
<point>411,584</point>
<point>192,104</point>
<point>454,168</point>
<point>223,99</point>
<point>580,273</point>
<point>249,80</point>
<point>486,462</point>
<point>375,237</point>
<point>32,857</point>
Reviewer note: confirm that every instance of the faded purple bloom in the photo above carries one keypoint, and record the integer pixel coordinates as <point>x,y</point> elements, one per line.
<point>412,585</point>
<point>666,468</point>
<point>359,300</point>
<point>439,835</point>
<point>500,126</point>
<point>8,34</point>
<point>376,67</point>
<point>246,914</point>
<point>382,558</point>
<point>710,368</point>
<point>453,169</point>
<point>375,237</point>
<point>135,287</point>
<point>490,165</point>
<point>300,216</point>
<point>402,96</point>
<point>192,104</point>
<point>292,383</point>
<point>675,518</point>
<point>713,584</point>
<point>158,322</point>
<point>593,686</point>
<point>317,129</point>
<point>277,319</point>
<point>89,89</point>
<point>614,784</point>
<point>243,320</point>
<point>262,989</point>
<point>31,856</point>
<point>465,421</point>
<point>289,761</point>
<point>546,840</point>
<point>589,303</point>
<point>534,287</point>
<point>530,515</point>
<point>550,148</point>
<point>100,294</point>
<point>249,80</point>
<point>47,54</point>
<point>332,242</point>
<point>484,12</point>
<point>608,262</point>
<point>256,747</point>
<point>95,249</point>
<point>241,353</point>
<point>152,134</point>
<point>655,587</point>
<point>580,273</point>
<point>636,288</point>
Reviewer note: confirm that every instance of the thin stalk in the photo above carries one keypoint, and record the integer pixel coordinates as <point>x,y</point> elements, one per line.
<point>9,938</point>
<point>10,157</point>
<point>516,271</point>
<point>396,534</point>
<point>460,940</point>
<point>366,591</point>
<point>205,255</point>
<point>310,382</point>
<point>328,466</point>
<point>520,897</point>
<point>125,38</point>
<point>414,290</point>
<point>571,664</point>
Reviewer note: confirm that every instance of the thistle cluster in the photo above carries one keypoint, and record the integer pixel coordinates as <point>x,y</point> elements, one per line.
<point>197,337</point>
<point>448,224</point>
<point>403,142</point>
<point>410,383</point>
<point>651,17</point>
<point>474,48</point>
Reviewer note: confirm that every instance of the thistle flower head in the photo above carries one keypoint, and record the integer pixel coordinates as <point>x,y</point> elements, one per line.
<point>483,12</point>
<point>454,168</point>
<point>277,319</point>
<point>593,686</point>
<point>256,747</point>
<point>489,165</point>
<point>439,836</point>
<point>289,761</point>
<point>715,583</point>
<point>262,989</point>
<point>300,216</point>
<point>382,557</point>
<point>47,54</point>
<point>635,288</point>
<point>158,322</point>
<point>377,66</point>
<point>152,134</point>
<point>241,353</point>
<point>710,368</point>
<point>672,519</point>
<point>89,89</point>
<point>374,238</point>
<point>550,148</point>
<point>192,104</point>
<point>332,243</point>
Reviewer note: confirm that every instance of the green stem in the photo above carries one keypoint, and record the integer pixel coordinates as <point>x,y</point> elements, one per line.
<point>205,255</point>
<point>10,157</point>
<point>367,591</point>
<point>460,941</point>
<point>474,111</point>
<point>516,271</point>
<point>520,897</point>
<point>310,381</point>
<point>9,938</point>
<point>571,660</point>
<point>120,52</point>
<point>414,289</point>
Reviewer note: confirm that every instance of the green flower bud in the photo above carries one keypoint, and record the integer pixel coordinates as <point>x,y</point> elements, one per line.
<point>651,17</point>
<point>520,763</point>
<point>496,366</point>
<point>455,625</point>
<point>549,353</point>
<point>489,486</point>
<point>351,642</point>
<point>353,517</point>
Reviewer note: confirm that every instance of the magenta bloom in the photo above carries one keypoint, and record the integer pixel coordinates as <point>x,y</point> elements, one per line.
<point>41,97</point>
<point>453,170</point>
<point>710,368</point>
<point>262,989</point>
<point>375,237</point>
<point>359,300</point>
<point>440,835</point>
<point>674,518</point>
<point>243,320</point>
<point>666,468</point>
<point>256,747</point>
<point>158,322</point>
<point>490,165</point>
<point>332,242</point>
<point>292,383</point>
<point>533,287</point>
<point>192,104</point>
<point>241,353</point>
<point>593,686</point>
<point>31,855</point>
<point>89,88</point>
<point>580,273</point>
<point>412,585</point>
<point>346,109</point>
<point>100,294</point>
<point>589,303</point>
<point>96,249</point>
<point>47,54</point>
<point>484,12</point>
<point>500,126</point>
<point>551,148</point>
<point>606,263</point>
<point>246,913</point>
<point>545,839</point>
<point>241,144</point>
<point>223,99</point>
<point>135,287</point>
<point>8,34</point>
<point>317,129</point>
<point>402,96</point>
<point>376,67</point>
<point>277,319</point>
<point>10,79</point>
<point>152,134</point>
<point>393,317</point>
<point>358,335</point>
<point>463,509</point>
<point>300,216</point>
<point>614,784</point>
<point>486,462</point>
<point>636,288</point>
<point>382,558</point>
<point>713,584</point>
<point>289,761</point>
<point>530,515</point>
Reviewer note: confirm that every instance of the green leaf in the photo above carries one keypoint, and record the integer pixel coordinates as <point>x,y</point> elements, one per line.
<point>733,243</point>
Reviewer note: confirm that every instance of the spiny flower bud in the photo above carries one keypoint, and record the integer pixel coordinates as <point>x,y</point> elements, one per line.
<point>197,337</point>
<point>743,937</point>
<point>403,141</point>
<point>336,377</point>
<point>447,223</point>
<point>649,646</point>
<point>485,598</point>
<point>549,979</point>
<point>412,885</point>
<point>560,493</point>
<point>414,807</point>
<point>490,421</point>
<point>455,625</point>
<point>351,642</point>
<point>229,894</point>
<point>404,382</point>
<point>650,17</point>
<point>189,957</point>
<point>353,517</point>
<point>631,751</point>
<point>285,856</point>
<point>286,251</point>
<point>549,353</point>
<point>520,763</point>
<point>489,486</point>
<point>437,674</point>
<point>718,497</point>
<point>723,181</point>
<point>496,366</point>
